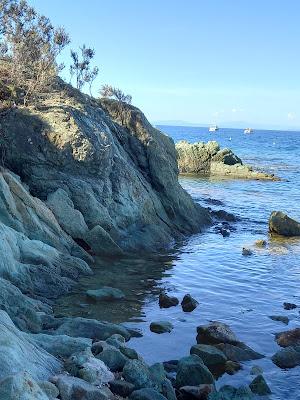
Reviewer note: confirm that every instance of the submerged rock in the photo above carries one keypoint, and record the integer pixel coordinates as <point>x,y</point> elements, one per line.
<point>246,252</point>
<point>232,367</point>
<point>259,386</point>
<point>191,371</point>
<point>90,328</point>
<point>289,306</point>
<point>188,303</point>
<point>105,294</point>
<point>260,243</point>
<point>166,301</point>
<point>214,333</point>
<point>161,327</point>
<point>210,355</point>
<point>283,225</point>
<point>280,318</point>
<point>256,370</point>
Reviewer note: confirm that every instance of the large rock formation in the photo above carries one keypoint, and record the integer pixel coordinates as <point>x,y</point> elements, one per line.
<point>208,159</point>
<point>115,177</point>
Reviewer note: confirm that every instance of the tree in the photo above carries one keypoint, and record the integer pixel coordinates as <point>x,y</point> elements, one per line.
<point>30,46</point>
<point>81,67</point>
<point>108,91</point>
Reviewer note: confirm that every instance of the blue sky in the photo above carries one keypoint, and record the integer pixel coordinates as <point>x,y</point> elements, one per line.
<point>217,61</point>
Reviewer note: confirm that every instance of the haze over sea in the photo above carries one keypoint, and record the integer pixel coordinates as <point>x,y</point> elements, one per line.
<point>240,291</point>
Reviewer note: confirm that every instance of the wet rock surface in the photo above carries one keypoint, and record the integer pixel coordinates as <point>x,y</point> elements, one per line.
<point>282,224</point>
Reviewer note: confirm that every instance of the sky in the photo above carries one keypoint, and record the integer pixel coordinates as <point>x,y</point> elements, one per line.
<point>230,62</point>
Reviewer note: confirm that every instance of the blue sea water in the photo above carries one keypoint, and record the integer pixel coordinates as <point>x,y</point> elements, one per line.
<point>240,291</point>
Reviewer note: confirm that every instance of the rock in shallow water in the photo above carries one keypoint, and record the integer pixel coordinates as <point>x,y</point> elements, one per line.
<point>161,327</point>
<point>289,357</point>
<point>214,333</point>
<point>288,338</point>
<point>283,225</point>
<point>105,293</point>
<point>166,301</point>
<point>239,352</point>
<point>280,318</point>
<point>188,303</point>
<point>259,386</point>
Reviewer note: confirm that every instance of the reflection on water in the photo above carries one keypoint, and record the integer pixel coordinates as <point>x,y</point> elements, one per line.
<point>238,290</point>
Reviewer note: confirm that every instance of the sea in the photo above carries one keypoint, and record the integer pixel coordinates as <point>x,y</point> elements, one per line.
<point>240,291</point>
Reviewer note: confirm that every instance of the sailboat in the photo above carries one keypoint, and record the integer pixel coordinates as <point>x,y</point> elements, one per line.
<point>213,128</point>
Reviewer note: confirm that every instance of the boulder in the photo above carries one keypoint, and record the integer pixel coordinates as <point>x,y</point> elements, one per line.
<point>283,225</point>
<point>146,394</point>
<point>138,373</point>
<point>228,392</point>
<point>166,301</point>
<point>90,328</point>
<point>214,333</point>
<point>246,252</point>
<point>71,388</point>
<point>288,338</point>
<point>121,388</point>
<point>105,294</point>
<point>61,345</point>
<point>49,388</point>
<point>113,358</point>
<point>191,371</point>
<point>239,352</point>
<point>188,303</point>
<point>289,357</point>
<point>210,355</point>
<point>101,242</point>
<point>21,386</point>
<point>259,386</point>
<point>200,392</point>
<point>161,327</point>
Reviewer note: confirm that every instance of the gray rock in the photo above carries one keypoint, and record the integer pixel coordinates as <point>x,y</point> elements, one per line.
<point>21,386</point>
<point>288,338</point>
<point>138,373</point>
<point>113,358</point>
<point>18,353</point>
<point>89,368</point>
<point>188,303</point>
<point>283,225</point>
<point>289,357</point>
<point>71,388</point>
<point>259,386</point>
<point>49,388</point>
<point>280,318</point>
<point>200,392</point>
<point>101,242</point>
<point>210,355</point>
<point>146,394</point>
<point>191,371</point>
<point>158,375</point>
<point>260,243</point>
<point>168,390</point>
<point>105,294</point>
<point>161,327</point>
<point>214,333</point>
<point>60,345</point>
<point>228,392</point>
<point>90,328</point>
<point>166,301</point>
<point>239,352</point>
<point>246,252</point>
<point>128,352</point>
<point>121,388</point>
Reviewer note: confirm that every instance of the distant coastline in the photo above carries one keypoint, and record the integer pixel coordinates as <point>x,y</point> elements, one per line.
<point>183,124</point>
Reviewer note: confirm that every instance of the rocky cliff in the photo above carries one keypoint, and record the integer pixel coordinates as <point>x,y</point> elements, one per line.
<point>209,159</point>
<point>112,184</point>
